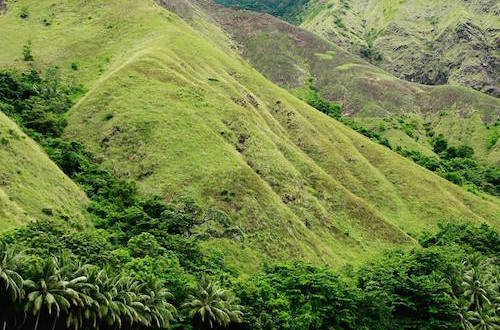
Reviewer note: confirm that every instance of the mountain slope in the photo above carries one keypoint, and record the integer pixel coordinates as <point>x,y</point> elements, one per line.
<point>182,114</point>
<point>402,112</point>
<point>429,42</point>
<point>31,186</point>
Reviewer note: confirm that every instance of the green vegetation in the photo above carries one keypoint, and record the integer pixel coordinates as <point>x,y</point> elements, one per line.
<point>456,164</point>
<point>275,179</point>
<point>289,56</point>
<point>312,98</point>
<point>27,55</point>
<point>450,282</point>
<point>289,10</point>
<point>430,42</point>
<point>154,244</point>
<point>205,183</point>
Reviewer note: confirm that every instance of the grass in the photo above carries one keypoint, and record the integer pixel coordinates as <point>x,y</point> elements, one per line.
<point>192,118</point>
<point>289,56</point>
<point>31,186</point>
<point>417,39</point>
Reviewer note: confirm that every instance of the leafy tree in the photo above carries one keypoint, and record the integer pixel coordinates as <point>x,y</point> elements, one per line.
<point>143,245</point>
<point>301,296</point>
<point>483,239</point>
<point>417,286</point>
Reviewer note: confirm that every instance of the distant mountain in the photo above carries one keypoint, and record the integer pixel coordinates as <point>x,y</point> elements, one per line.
<point>429,42</point>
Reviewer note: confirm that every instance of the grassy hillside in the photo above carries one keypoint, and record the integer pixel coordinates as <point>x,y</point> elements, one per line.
<point>168,108</point>
<point>404,113</point>
<point>430,42</point>
<point>31,186</point>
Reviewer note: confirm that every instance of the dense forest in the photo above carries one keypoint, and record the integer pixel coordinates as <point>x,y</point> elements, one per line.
<point>141,264</point>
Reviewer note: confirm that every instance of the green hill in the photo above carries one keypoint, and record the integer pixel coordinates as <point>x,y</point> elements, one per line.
<point>429,42</point>
<point>407,114</point>
<point>31,186</point>
<point>181,113</point>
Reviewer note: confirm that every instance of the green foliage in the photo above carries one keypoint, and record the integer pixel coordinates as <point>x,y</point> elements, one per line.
<point>440,143</point>
<point>211,306</point>
<point>339,22</point>
<point>367,50</point>
<point>57,293</point>
<point>27,55</point>
<point>146,235</point>
<point>24,14</point>
<point>36,102</point>
<point>143,245</point>
<point>299,296</point>
<point>482,239</point>
<point>290,10</point>
<point>313,98</point>
<point>458,166</point>
<point>415,287</point>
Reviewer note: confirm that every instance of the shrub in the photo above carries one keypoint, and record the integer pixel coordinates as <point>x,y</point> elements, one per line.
<point>440,144</point>
<point>27,55</point>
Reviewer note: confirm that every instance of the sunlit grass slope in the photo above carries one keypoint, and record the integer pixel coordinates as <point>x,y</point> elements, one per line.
<point>397,109</point>
<point>31,186</point>
<point>181,116</point>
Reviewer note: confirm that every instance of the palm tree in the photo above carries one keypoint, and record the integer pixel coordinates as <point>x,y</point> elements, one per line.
<point>161,312</point>
<point>485,319</point>
<point>49,290</point>
<point>10,280</point>
<point>11,283</point>
<point>474,288</point>
<point>117,301</point>
<point>480,299</point>
<point>212,306</point>
<point>107,311</point>
<point>85,315</point>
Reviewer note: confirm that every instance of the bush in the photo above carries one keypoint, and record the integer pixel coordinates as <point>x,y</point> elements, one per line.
<point>27,55</point>
<point>333,110</point>
<point>440,144</point>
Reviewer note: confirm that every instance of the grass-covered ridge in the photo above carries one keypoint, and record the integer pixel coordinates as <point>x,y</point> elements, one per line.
<point>406,114</point>
<point>31,186</point>
<point>173,112</point>
<point>430,42</point>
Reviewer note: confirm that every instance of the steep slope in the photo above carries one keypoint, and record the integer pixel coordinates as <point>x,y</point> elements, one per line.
<point>402,112</point>
<point>182,114</point>
<point>429,42</point>
<point>31,186</point>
